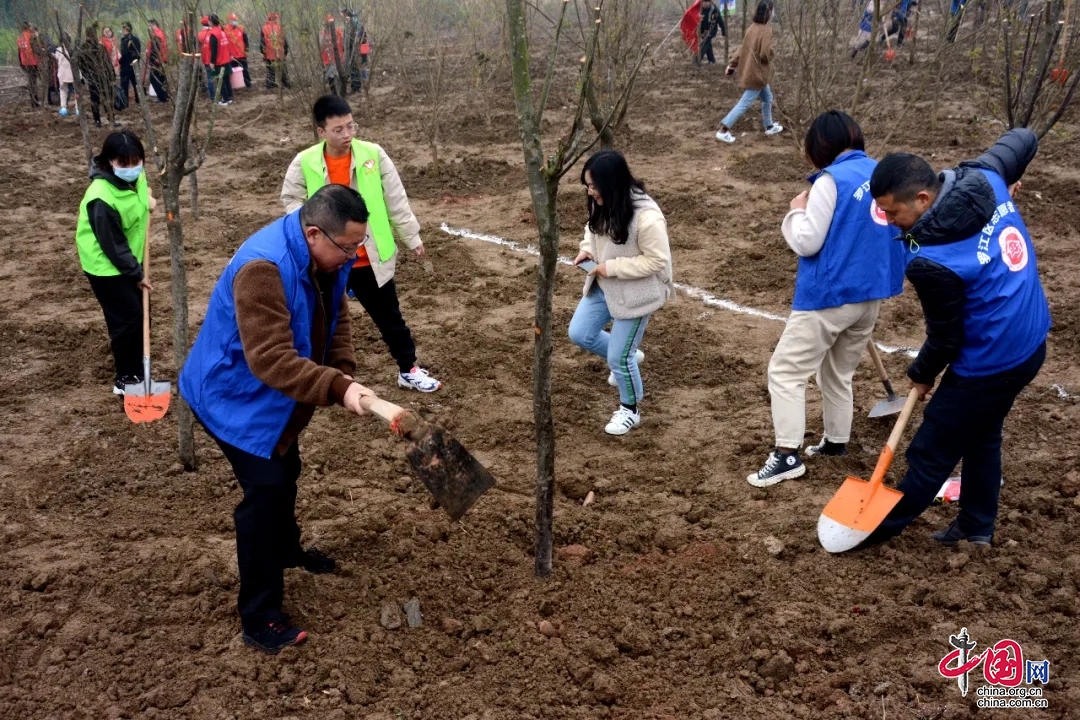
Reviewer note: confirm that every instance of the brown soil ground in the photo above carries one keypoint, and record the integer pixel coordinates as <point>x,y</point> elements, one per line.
<point>117,570</point>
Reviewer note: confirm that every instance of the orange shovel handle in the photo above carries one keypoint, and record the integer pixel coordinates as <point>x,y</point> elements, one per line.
<point>886,458</point>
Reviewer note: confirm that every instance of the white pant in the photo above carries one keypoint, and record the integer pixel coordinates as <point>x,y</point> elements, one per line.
<point>830,343</point>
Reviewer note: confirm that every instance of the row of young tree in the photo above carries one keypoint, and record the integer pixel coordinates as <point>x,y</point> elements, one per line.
<point>589,60</point>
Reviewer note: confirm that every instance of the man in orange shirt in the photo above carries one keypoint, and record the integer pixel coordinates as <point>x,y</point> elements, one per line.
<point>29,45</point>
<point>238,43</point>
<point>342,159</point>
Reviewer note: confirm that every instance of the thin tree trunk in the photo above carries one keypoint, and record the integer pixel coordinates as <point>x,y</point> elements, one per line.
<point>606,131</point>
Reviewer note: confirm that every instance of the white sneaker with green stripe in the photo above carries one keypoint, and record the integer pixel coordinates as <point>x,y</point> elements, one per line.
<point>638,355</point>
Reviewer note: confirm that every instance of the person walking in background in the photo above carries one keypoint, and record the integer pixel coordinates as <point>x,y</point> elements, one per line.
<point>848,263</point>
<point>65,77</point>
<point>712,21</point>
<point>626,241</point>
<point>332,46</point>
<point>204,54</point>
<point>157,55</point>
<point>110,237</point>
<point>98,74</point>
<point>238,43</point>
<point>108,39</point>
<point>130,52</point>
<point>275,49</point>
<point>220,53</point>
<point>339,158</point>
<point>972,264</point>
<point>29,46</point>
<point>753,63</point>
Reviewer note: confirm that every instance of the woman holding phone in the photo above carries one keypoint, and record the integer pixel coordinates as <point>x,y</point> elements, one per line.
<point>626,251</point>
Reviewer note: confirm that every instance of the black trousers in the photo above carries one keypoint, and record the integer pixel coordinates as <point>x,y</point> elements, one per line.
<point>962,421</point>
<point>127,78</point>
<point>223,75</point>
<point>95,101</point>
<point>267,536</point>
<point>160,84</point>
<point>121,301</point>
<point>381,304</point>
<point>32,83</point>
<point>247,76</point>
<point>271,73</point>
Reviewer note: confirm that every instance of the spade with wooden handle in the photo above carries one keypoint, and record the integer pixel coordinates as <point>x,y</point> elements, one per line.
<point>858,507</point>
<point>893,404</point>
<point>451,474</point>
<point>146,400</point>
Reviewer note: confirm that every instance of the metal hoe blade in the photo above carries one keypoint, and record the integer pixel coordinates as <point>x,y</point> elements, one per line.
<point>450,473</point>
<point>888,407</point>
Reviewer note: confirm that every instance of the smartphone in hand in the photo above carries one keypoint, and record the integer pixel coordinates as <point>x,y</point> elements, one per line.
<point>587,265</point>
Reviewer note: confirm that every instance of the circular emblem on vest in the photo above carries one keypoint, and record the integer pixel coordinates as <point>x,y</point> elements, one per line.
<point>1014,250</point>
<point>877,214</point>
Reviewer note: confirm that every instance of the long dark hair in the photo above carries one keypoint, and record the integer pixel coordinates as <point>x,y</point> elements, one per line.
<point>763,12</point>
<point>122,146</point>
<point>612,178</point>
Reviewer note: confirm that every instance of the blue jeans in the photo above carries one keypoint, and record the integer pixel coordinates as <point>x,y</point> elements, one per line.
<point>744,104</point>
<point>617,347</point>
<point>962,421</point>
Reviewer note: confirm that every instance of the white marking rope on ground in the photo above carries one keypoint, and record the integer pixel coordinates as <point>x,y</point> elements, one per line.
<point>704,296</point>
<point>697,293</point>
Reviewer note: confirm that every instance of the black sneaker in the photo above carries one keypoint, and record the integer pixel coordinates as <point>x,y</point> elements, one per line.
<point>118,386</point>
<point>780,465</point>
<point>827,448</point>
<point>951,535</point>
<point>315,562</point>
<point>273,636</point>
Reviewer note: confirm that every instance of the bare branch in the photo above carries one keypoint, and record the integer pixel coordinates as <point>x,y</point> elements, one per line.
<point>542,105</point>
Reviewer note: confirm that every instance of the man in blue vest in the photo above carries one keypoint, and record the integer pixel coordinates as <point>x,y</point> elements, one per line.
<point>277,343</point>
<point>972,263</point>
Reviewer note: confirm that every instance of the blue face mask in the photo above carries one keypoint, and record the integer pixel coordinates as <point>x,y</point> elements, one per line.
<point>130,174</point>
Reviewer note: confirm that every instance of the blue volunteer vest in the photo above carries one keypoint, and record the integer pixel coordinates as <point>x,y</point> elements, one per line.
<point>216,381</point>
<point>1006,316</point>
<point>860,259</point>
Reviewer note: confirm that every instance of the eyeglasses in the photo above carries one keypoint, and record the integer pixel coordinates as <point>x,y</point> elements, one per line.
<point>349,129</point>
<point>348,253</point>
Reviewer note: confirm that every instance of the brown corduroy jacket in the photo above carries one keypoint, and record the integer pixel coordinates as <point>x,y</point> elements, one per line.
<point>263,319</point>
<point>753,59</point>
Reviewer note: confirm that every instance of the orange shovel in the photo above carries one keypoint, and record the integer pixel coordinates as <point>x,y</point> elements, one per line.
<point>148,400</point>
<point>858,507</point>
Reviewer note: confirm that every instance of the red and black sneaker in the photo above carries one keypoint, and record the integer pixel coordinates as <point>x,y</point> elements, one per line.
<point>273,636</point>
<point>315,562</point>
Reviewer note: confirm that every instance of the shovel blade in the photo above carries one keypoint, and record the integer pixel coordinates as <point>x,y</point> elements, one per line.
<point>892,406</point>
<point>146,401</point>
<point>854,512</point>
<point>451,474</point>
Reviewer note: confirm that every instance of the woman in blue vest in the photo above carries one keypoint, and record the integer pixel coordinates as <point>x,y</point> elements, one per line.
<point>848,263</point>
<point>110,237</point>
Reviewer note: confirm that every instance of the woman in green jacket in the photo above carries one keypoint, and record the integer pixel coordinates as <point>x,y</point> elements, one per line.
<point>111,234</point>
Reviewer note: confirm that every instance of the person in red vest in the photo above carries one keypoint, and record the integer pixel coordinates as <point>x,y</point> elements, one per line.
<point>29,45</point>
<point>157,55</point>
<point>275,48</point>
<point>220,58</point>
<point>204,53</point>
<point>238,43</point>
<point>108,39</point>
<point>332,51</point>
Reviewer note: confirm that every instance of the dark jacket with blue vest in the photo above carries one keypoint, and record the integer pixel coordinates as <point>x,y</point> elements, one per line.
<point>276,342</point>
<point>972,263</point>
<point>859,260</point>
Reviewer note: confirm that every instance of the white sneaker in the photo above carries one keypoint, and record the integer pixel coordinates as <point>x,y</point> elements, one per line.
<point>778,467</point>
<point>725,136</point>
<point>418,379</point>
<point>774,129</point>
<point>638,355</point>
<point>623,421</point>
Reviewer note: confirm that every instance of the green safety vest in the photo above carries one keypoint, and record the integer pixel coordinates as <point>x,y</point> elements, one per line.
<point>365,157</point>
<point>134,209</point>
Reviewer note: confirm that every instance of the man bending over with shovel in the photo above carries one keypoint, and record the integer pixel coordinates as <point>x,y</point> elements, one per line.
<point>972,263</point>
<point>277,343</point>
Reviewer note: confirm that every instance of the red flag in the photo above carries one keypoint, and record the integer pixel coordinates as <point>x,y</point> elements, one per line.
<point>689,25</point>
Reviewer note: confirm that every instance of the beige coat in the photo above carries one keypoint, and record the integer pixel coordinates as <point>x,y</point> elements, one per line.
<point>404,223</point>
<point>639,271</point>
<point>753,59</point>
